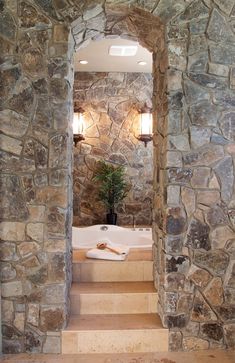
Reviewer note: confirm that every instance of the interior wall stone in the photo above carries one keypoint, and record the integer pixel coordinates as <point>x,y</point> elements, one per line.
<point>112,102</point>
<point>194,155</point>
<point>195,231</point>
<point>36,84</point>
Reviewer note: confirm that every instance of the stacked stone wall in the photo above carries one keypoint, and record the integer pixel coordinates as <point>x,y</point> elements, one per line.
<point>36,86</point>
<point>194,155</point>
<point>112,102</point>
<point>195,230</point>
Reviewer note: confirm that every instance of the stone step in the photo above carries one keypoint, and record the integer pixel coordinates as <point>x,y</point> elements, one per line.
<point>113,298</point>
<point>137,267</point>
<point>121,333</point>
<point>107,271</point>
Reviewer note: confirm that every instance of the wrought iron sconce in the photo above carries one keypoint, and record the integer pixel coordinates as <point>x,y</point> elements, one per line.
<point>78,126</point>
<point>146,126</point>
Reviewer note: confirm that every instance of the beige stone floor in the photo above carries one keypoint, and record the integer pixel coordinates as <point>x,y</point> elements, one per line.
<point>208,356</point>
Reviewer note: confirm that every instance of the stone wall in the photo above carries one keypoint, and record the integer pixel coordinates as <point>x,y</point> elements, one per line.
<point>194,155</point>
<point>36,143</point>
<point>112,102</point>
<point>195,228</point>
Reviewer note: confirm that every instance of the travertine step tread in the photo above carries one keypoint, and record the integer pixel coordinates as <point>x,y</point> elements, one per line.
<point>202,356</point>
<point>134,255</point>
<point>114,322</point>
<point>112,287</point>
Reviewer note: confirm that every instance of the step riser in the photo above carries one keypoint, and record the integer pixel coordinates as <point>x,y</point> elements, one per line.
<point>111,272</point>
<point>123,303</point>
<point>118,341</point>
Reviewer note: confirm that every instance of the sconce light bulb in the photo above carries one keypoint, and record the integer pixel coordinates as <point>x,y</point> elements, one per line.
<point>146,123</point>
<point>142,63</point>
<point>78,123</point>
<point>83,61</point>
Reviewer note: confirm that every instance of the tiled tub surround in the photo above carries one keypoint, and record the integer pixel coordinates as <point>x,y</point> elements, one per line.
<point>111,102</point>
<point>194,153</point>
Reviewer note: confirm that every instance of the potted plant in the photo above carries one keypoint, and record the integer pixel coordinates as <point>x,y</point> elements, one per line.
<point>112,187</point>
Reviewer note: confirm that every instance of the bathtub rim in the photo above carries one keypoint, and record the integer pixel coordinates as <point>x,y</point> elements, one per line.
<point>114,229</point>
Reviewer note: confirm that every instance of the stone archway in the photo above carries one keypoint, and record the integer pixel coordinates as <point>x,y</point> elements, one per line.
<point>194,173</point>
<point>149,31</point>
<point>118,110</point>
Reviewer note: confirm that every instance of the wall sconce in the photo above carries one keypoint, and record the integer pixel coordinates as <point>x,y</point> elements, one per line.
<point>146,126</point>
<point>78,126</point>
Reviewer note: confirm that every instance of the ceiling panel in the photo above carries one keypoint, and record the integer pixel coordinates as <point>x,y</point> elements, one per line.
<point>99,60</point>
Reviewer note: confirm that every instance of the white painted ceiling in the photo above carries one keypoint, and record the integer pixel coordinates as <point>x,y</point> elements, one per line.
<point>96,53</point>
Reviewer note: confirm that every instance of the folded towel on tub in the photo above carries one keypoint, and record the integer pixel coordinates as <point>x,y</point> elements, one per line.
<point>106,254</point>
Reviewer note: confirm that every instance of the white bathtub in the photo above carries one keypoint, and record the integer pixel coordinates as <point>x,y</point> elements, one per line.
<point>88,237</point>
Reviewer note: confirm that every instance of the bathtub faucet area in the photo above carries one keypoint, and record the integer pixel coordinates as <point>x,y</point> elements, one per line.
<point>104,228</point>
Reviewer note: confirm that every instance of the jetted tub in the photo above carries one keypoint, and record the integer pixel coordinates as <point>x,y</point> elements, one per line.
<point>88,237</point>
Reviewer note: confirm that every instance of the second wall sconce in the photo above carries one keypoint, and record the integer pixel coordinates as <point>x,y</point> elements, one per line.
<point>78,126</point>
<point>146,126</point>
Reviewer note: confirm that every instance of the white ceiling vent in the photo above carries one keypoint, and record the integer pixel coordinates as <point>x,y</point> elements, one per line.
<point>123,50</point>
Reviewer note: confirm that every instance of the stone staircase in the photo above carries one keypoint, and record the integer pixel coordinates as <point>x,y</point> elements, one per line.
<point>113,307</point>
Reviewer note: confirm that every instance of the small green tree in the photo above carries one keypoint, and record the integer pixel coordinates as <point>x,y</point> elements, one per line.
<point>112,185</point>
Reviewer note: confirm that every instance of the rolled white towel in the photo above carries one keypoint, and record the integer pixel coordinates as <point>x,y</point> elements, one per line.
<point>109,255</point>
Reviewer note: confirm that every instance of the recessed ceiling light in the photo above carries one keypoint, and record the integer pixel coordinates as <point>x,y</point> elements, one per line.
<point>83,61</point>
<point>142,63</point>
<point>123,50</point>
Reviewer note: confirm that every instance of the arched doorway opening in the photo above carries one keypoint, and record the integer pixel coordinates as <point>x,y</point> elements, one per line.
<point>112,91</point>
<point>149,31</point>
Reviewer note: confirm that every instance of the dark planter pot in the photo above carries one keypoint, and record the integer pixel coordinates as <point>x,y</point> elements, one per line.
<point>111,218</point>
